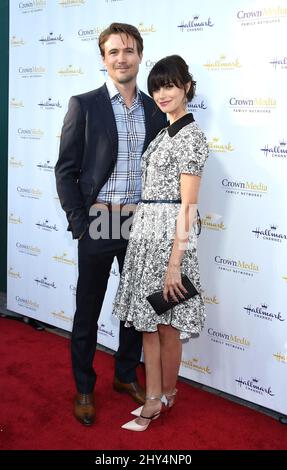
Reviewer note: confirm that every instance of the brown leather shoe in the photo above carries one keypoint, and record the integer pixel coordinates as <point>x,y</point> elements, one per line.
<point>133,389</point>
<point>84,408</point>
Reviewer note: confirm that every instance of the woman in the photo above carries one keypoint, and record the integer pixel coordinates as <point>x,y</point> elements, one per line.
<point>162,243</point>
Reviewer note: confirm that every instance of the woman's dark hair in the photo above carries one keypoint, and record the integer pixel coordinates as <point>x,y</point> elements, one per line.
<point>120,28</point>
<point>171,69</point>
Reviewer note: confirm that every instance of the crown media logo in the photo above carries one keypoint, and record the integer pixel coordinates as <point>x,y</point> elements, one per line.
<point>46,166</point>
<point>63,259</point>
<point>16,104</point>
<point>213,222</point>
<point>263,313</point>
<point>28,249</point>
<point>195,24</point>
<point>31,193</point>
<point>70,71</point>
<point>270,234</point>
<point>280,357</point>
<point>236,266</point>
<point>72,3</point>
<point>222,63</point>
<point>27,303</point>
<point>32,6</point>
<point>29,133</point>
<point>13,274</point>
<point>44,282</point>
<point>252,105</point>
<point>50,39</point>
<point>253,385</point>
<point>228,339</point>
<point>216,146</point>
<point>16,42</point>
<point>48,227</point>
<point>194,364</point>
<point>90,34</point>
<point>36,71</point>
<point>265,16</point>
<point>280,62</point>
<point>105,332</point>
<point>275,151</point>
<point>246,188</point>
<point>49,104</point>
<point>61,315</point>
<point>13,163</point>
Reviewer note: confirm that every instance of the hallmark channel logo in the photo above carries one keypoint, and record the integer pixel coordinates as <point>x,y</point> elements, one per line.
<point>28,249</point>
<point>14,219</point>
<point>280,357</point>
<point>105,332</point>
<point>27,303</point>
<point>32,6</point>
<point>275,151</point>
<point>49,104</point>
<point>219,147</point>
<point>195,106</point>
<point>236,266</point>
<point>64,259</point>
<point>44,282</point>
<point>195,24</point>
<point>210,300</point>
<point>16,42</point>
<point>29,133</point>
<point>213,221</point>
<point>146,29</point>
<point>244,188</point>
<point>61,315</point>
<point>270,234</point>
<point>253,385</point>
<point>264,16</point>
<point>16,104</point>
<point>51,39</point>
<point>194,364</point>
<point>46,166</point>
<point>228,339</point>
<point>72,3</point>
<point>31,193</point>
<point>73,289</point>
<point>70,71</point>
<point>280,62</point>
<point>263,313</point>
<point>14,163</point>
<point>47,226</point>
<point>36,71</point>
<point>90,34</point>
<point>13,274</point>
<point>252,105</point>
<point>222,63</point>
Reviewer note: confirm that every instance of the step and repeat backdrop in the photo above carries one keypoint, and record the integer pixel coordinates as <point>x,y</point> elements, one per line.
<point>237,54</point>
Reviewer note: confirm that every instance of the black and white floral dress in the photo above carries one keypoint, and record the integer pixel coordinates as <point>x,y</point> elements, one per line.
<point>180,148</point>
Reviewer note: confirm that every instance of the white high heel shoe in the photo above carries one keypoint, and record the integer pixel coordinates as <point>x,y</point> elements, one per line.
<point>167,400</point>
<point>134,426</point>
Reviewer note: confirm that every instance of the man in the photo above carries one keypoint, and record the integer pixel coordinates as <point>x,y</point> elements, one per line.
<point>104,134</point>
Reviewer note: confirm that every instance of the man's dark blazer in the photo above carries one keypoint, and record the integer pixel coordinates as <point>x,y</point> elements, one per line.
<point>89,149</point>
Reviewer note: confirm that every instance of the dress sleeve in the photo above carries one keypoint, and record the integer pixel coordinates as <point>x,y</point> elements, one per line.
<point>192,152</point>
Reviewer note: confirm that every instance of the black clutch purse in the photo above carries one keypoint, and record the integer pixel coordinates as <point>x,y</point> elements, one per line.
<point>160,305</point>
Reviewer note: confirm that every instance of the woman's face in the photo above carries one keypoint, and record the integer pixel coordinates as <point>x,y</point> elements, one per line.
<point>170,99</point>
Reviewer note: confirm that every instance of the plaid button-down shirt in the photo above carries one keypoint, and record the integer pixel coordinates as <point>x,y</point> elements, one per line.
<point>124,184</point>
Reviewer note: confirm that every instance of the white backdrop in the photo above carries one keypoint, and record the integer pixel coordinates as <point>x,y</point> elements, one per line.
<point>237,53</point>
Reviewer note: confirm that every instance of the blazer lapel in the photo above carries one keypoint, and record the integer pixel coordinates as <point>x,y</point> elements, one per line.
<point>148,111</point>
<point>107,115</point>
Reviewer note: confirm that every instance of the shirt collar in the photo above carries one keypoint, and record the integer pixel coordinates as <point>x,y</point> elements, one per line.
<point>114,92</point>
<point>174,128</point>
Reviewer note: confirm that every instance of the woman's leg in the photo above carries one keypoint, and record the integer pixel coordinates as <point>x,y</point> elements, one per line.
<point>171,351</point>
<point>152,359</point>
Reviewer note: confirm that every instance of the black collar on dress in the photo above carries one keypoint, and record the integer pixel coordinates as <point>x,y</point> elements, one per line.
<point>174,128</point>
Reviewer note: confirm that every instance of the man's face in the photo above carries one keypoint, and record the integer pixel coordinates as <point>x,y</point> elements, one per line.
<point>121,58</point>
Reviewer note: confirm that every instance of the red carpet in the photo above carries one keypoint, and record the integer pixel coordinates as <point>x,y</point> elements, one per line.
<point>36,411</point>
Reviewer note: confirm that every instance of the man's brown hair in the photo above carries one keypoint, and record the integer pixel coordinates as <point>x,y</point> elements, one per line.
<point>120,28</point>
